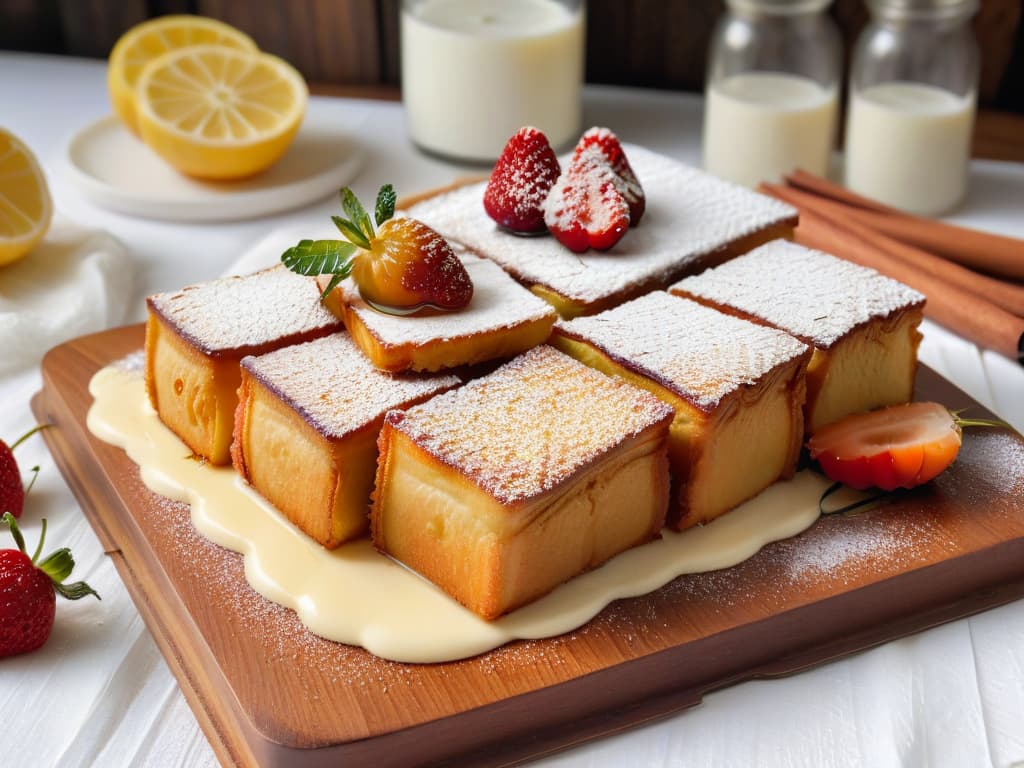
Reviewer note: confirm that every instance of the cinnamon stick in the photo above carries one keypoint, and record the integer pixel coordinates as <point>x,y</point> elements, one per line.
<point>1009,296</point>
<point>963,312</point>
<point>995,254</point>
<point>821,186</point>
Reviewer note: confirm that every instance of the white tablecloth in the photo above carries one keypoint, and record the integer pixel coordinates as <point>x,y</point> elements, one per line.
<point>99,692</point>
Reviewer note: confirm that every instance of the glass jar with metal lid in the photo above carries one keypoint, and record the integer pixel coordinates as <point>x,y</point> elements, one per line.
<point>772,88</point>
<point>913,86</point>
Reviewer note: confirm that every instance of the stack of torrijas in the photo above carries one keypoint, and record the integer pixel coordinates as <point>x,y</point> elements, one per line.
<point>974,280</point>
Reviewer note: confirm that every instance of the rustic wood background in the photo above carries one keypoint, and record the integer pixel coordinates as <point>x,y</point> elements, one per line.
<point>653,43</point>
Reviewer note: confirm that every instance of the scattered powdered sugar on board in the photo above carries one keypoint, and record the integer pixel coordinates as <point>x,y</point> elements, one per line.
<point>133,362</point>
<point>809,293</point>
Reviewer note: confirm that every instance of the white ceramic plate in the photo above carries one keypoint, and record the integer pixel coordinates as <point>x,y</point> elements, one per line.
<point>115,170</point>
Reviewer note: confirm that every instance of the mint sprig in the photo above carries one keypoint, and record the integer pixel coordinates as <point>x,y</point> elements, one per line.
<point>336,257</point>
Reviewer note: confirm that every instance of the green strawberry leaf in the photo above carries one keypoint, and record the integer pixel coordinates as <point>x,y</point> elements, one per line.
<point>385,207</point>
<point>356,213</point>
<point>320,257</point>
<point>351,232</point>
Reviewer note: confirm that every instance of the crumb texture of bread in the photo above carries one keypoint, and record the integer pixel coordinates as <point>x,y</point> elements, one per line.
<point>195,338</point>
<point>863,325</point>
<point>306,431</point>
<point>502,489</point>
<point>737,389</point>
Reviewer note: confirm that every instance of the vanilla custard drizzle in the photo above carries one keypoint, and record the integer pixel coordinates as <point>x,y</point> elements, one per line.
<point>355,595</point>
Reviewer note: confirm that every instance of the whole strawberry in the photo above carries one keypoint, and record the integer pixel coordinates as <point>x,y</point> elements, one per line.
<point>12,492</point>
<point>520,182</point>
<point>28,587</point>
<point>401,267</point>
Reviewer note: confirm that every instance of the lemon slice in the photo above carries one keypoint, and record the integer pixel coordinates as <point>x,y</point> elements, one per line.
<point>218,113</point>
<point>25,205</point>
<point>144,42</point>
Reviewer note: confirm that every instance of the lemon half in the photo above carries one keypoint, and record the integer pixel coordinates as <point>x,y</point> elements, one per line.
<point>219,113</point>
<point>150,39</point>
<point>25,205</point>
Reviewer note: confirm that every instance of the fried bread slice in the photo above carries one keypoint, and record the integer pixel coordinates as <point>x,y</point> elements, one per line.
<point>863,325</point>
<point>504,488</point>
<point>195,338</point>
<point>306,427</point>
<point>737,389</point>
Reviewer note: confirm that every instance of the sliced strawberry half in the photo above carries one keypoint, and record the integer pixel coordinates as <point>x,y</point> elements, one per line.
<point>585,208</point>
<point>901,446</point>
<point>520,182</point>
<point>607,143</point>
<point>411,266</point>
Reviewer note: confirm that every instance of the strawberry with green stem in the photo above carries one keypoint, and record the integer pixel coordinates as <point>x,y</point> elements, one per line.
<point>28,592</point>
<point>401,267</point>
<point>12,492</point>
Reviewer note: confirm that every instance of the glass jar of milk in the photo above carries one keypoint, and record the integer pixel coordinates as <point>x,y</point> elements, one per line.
<point>912,101</point>
<point>772,90</point>
<point>476,71</point>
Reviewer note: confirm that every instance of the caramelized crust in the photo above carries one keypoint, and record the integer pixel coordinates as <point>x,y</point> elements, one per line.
<point>306,431</point>
<point>195,338</point>
<point>506,487</point>
<point>502,320</point>
<point>864,326</point>
<point>737,389</point>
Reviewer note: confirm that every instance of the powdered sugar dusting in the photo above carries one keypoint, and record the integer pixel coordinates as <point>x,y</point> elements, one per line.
<point>809,293</point>
<point>243,314</point>
<point>498,303</point>
<point>689,215</point>
<point>335,387</point>
<point>699,353</point>
<point>531,424</point>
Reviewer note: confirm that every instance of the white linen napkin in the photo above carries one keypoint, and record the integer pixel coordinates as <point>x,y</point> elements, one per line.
<point>76,281</point>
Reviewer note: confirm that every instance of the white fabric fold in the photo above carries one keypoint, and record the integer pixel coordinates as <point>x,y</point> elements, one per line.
<point>76,281</point>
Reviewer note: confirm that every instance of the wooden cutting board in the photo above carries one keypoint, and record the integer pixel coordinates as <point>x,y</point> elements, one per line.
<point>269,693</point>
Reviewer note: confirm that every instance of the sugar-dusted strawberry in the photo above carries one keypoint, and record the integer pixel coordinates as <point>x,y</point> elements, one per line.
<point>901,446</point>
<point>28,592</point>
<point>520,182</point>
<point>609,146</point>
<point>585,208</point>
<point>401,267</point>
<point>12,492</point>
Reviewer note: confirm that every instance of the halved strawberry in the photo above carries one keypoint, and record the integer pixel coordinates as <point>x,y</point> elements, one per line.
<point>901,446</point>
<point>402,267</point>
<point>521,180</point>
<point>412,266</point>
<point>585,208</point>
<point>608,144</point>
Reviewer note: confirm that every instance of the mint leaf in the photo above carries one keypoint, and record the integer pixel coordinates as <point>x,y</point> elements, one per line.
<point>318,257</point>
<point>385,208</point>
<point>356,213</point>
<point>350,231</point>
